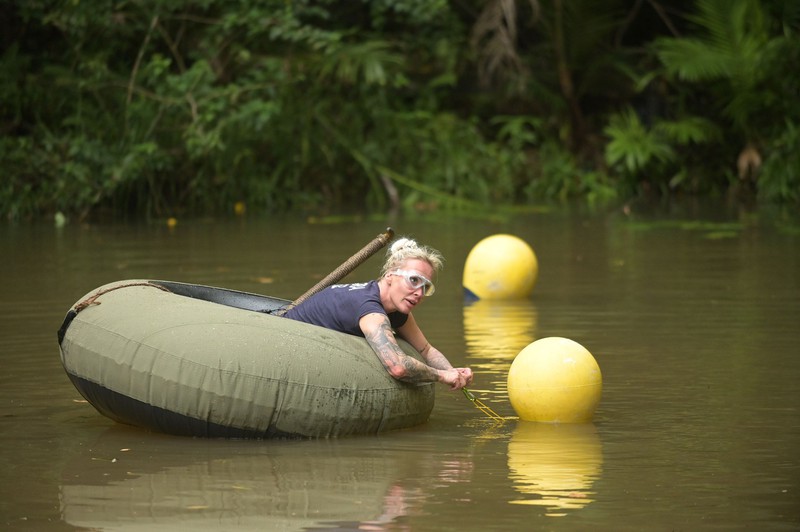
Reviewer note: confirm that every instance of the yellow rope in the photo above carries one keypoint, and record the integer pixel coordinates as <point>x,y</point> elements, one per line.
<point>481,406</point>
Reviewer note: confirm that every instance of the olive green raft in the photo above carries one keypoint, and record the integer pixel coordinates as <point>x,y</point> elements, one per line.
<point>201,361</point>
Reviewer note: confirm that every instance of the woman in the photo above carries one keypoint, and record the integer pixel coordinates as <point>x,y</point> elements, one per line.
<point>377,308</point>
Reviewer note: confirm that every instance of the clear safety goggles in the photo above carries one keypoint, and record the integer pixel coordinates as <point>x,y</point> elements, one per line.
<point>416,280</point>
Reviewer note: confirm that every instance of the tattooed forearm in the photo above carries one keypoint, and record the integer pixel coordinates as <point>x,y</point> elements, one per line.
<point>436,359</point>
<point>396,362</point>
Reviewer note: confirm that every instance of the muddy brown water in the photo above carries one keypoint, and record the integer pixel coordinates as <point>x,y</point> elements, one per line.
<point>692,316</point>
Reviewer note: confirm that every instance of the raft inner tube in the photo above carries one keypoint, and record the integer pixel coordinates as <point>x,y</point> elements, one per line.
<point>213,362</point>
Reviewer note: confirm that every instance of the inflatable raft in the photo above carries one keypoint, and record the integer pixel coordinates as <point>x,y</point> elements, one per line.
<point>202,361</point>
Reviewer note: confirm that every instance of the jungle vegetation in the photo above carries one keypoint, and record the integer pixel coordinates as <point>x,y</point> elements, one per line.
<point>171,107</point>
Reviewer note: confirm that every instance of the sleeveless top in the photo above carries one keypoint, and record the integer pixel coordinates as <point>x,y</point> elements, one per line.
<point>341,306</point>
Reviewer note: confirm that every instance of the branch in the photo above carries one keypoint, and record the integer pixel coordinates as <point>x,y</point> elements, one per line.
<point>627,22</point>
<point>139,57</point>
<point>663,16</point>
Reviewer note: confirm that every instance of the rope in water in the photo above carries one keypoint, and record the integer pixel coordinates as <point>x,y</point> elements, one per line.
<point>481,406</point>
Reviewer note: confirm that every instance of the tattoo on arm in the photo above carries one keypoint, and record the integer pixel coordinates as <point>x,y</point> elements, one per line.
<point>436,359</point>
<point>396,362</point>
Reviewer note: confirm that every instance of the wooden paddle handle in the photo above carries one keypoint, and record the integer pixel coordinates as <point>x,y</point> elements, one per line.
<point>346,267</point>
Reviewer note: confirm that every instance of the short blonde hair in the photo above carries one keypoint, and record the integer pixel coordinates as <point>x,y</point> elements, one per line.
<point>404,249</point>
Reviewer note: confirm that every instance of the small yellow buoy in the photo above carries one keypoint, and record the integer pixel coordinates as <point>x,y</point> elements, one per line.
<point>555,380</point>
<point>500,267</point>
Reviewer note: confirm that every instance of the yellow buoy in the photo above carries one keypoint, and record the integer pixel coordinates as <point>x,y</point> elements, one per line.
<point>500,267</point>
<point>555,380</point>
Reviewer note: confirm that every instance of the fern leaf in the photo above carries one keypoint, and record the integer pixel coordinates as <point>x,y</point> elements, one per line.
<point>693,129</point>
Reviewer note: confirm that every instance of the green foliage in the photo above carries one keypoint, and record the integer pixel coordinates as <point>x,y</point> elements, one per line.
<point>369,63</point>
<point>780,176</point>
<point>557,174</point>
<point>733,49</point>
<point>196,105</point>
<point>651,154</point>
<point>163,108</point>
<point>419,12</point>
<point>518,132</point>
<point>734,70</point>
<point>633,147</point>
<point>732,43</point>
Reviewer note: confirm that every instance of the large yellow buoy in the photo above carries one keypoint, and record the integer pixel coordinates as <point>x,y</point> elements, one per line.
<point>500,267</point>
<point>555,380</point>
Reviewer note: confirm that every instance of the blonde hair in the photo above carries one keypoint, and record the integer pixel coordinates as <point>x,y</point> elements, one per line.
<point>404,249</point>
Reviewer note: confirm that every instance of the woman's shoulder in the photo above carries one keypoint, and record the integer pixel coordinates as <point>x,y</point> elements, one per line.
<point>356,289</point>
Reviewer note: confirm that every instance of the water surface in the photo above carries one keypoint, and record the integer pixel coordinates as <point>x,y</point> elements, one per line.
<point>692,318</point>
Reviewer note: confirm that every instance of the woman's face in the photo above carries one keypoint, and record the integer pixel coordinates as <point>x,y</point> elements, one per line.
<point>401,295</point>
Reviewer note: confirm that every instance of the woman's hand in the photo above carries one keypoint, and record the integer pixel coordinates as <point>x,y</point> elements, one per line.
<point>455,378</point>
<point>466,373</point>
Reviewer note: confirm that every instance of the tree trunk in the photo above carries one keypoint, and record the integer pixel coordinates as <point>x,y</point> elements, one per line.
<point>577,123</point>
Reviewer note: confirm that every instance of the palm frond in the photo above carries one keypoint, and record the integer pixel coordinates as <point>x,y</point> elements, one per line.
<point>371,63</point>
<point>632,146</point>
<point>730,47</point>
<point>689,130</point>
<point>693,60</point>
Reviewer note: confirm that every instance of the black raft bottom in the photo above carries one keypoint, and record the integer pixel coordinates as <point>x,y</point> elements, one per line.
<point>129,411</point>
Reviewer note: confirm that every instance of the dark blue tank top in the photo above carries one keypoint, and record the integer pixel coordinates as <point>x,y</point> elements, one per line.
<point>341,306</point>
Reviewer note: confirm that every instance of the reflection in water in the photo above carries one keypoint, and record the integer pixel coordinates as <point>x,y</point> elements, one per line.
<point>406,498</point>
<point>132,480</point>
<point>396,504</point>
<point>712,436</point>
<point>495,332</point>
<point>129,481</point>
<point>554,465</point>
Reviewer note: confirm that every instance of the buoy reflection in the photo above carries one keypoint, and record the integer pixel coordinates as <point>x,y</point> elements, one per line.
<point>495,331</point>
<point>554,465</point>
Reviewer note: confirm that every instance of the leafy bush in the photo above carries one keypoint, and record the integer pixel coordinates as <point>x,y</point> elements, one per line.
<point>651,154</point>
<point>779,180</point>
<point>162,107</point>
